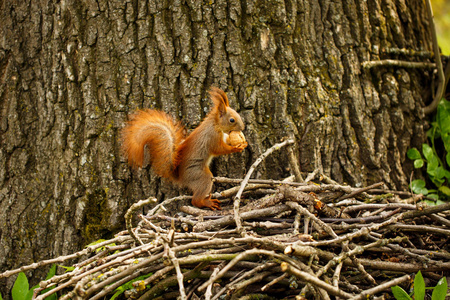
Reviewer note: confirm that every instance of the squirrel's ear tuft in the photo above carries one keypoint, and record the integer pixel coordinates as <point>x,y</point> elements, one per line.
<point>219,99</point>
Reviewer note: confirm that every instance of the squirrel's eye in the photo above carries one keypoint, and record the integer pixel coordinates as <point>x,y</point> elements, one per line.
<point>231,120</point>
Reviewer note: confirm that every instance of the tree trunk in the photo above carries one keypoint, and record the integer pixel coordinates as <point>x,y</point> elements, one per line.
<point>71,71</point>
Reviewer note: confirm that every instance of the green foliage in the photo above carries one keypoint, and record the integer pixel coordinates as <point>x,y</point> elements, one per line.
<point>439,291</point>
<point>419,286</point>
<point>100,248</point>
<point>400,293</point>
<point>21,290</point>
<point>436,162</point>
<point>68,269</point>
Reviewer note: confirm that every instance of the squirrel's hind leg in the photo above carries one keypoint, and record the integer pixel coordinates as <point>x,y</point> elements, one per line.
<point>202,197</point>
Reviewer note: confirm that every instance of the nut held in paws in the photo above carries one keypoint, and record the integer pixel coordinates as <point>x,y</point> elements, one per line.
<point>236,138</point>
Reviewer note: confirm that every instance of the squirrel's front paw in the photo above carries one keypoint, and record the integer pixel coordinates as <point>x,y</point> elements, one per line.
<point>240,147</point>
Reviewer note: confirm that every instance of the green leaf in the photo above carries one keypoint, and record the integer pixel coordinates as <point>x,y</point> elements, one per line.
<point>400,293</point>
<point>445,190</point>
<point>429,202</point>
<point>437,181</point>
<point>418,163</point>
<point>52,297</point>
<point>433,132</point>
<point>427,151</point>
<point>117,294</point>
<point>447,174</point>
<point>418,183</point>
<point>51,272</point>
<point>419,287</point>
<point>434,196</point>
<point>447,158</point>
<point>68,269</point>
<point>433,163</point>
<point>418,187</point>
<point>440,290</point>
<point>443,116</point>
<point>446,140</point>
<point>1,296</point>
<point>439,202</point>
<point>96,242</point>
<point>30,293</point>
<point>20,288</point>
<point>413,154</point>
<point>440,172</point>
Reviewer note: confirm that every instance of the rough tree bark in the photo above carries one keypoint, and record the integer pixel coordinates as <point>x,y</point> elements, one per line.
<point>70,71</point>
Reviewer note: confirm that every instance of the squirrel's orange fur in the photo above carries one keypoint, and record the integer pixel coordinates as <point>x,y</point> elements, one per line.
<point>183,160</point>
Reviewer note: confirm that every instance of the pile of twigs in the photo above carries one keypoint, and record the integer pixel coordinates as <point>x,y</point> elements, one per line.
<point>291,240</point>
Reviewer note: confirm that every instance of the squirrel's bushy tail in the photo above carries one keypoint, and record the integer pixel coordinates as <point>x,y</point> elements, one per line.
<point>162,136</point>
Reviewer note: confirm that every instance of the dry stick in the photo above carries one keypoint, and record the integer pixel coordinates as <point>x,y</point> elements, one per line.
<point>312,175</point>
<point>426,211</point>
<point>379,288</point>
<point>437,56</point>
<point>396,63</point>
<point>337,274</point>
<point>170,219</point>
<point>129,215</point>
<point>176,264</point>
<point>408,52</point>
<point>114,282</point>
<point>208,292</point>
<point>118,260</point>
<point>298,218</point>
<point>107,250</point>
<point>253,279</point>
<point>405,251</point>
<point>228,220</point>
<point>85,251</point>
<point>260,181</point>
<point>166,202</point>
<point>363,220</point>
<point>231,192</point>
<point>293,161</point>
<point>285,267</point>
<point>326,187</point>
<point>368,206</point>
<point>237,198</point>
<point>359,191</point>
<point>235,260</point>
<point>97,282</point>
<point>131,270</point>
<point>158,274</point>
<point>273,282</point>
<point>440,219</point>
<point>157,229</point>
<point>304,211</point>
<point>356,250</point>
<point>420,228</point>
<point>241,277</point>
<point>364,231</point>
<point>79,268</point>
<point>167,282</point>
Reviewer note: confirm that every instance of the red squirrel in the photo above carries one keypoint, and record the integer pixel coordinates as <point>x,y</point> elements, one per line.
<point>183,160</point>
